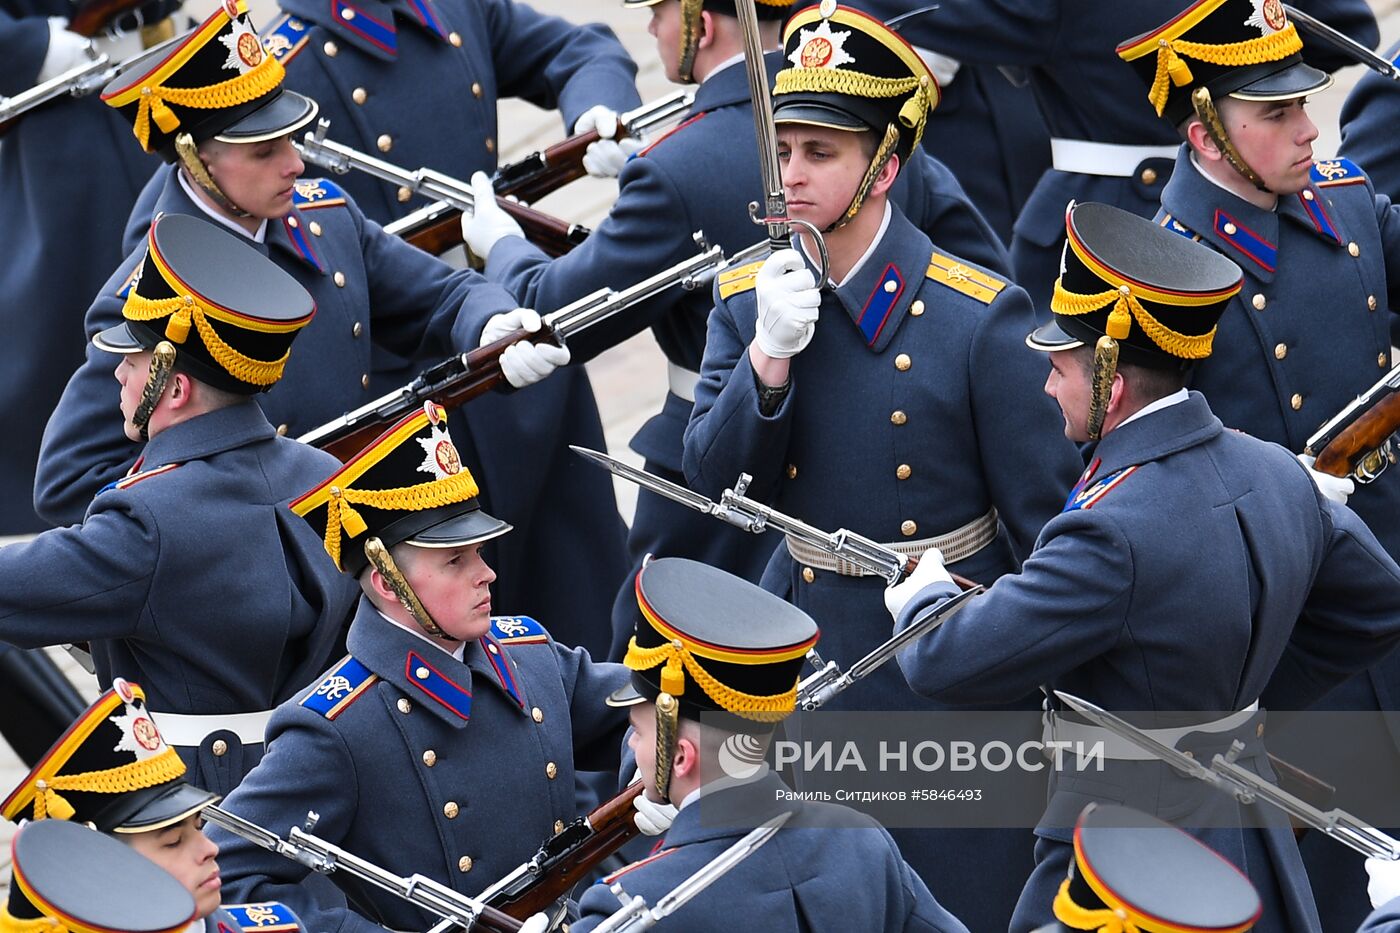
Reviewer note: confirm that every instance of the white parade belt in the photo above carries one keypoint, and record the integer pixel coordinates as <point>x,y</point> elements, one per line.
<point>956,545</point>
<point>1085,158</point>
<point>682,381</point>
<point>188,731</point>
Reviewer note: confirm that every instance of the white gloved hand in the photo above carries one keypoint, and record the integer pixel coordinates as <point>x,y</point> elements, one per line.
<point>606,157</point>
<point>67,50</point>
<point>929,571</point>
<point>652,818</point>
<point>1384,885</point>
<point>1336,488</point>
<point>944,69</point>
<point>487,223</point>
<point>788,305</point>
<point>535,923</point>
<point>523,363</point>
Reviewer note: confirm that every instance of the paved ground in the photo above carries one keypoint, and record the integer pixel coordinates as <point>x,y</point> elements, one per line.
<point>630,380</point>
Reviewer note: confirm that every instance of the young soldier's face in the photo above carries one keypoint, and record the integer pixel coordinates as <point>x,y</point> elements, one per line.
<point>821,170</point>
<point>131,372</point>
<point>1275,138</point>
<point>642,741</point>
<point>454,585</point>
<point>258,177</point>
<point>1068,385</point>
<point>188,855</point>
<point>665,27</point>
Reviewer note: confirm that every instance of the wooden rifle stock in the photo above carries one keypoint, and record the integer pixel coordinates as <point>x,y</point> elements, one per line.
<point>541,173</point>
<point>612,827</point>
<point>963,582</point>
<point>553,236</point>
<point>1366,434</point>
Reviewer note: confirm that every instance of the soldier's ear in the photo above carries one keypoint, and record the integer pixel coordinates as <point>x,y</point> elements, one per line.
<point>884,180</point>
<point>706,30</point>
<point>687,757</point>
<point>1199,139</point>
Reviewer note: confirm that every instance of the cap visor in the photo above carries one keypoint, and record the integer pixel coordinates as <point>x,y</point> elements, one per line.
<point>285,113</point>
<point>460,530</point>
<point>1297,80</point>
<point>1049,338</point>
<point>178,802</point>
<point>624,696</point>
<point>813,113</point>
<point>117,339</point>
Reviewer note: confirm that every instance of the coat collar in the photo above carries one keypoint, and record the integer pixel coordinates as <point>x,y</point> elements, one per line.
<point>878,296</point>
<point>437,680</point>
<point>729,812</point>
<point>175,200</point>
<point>730,87</point>
<point>208,434</point>
<point>1157,435</point>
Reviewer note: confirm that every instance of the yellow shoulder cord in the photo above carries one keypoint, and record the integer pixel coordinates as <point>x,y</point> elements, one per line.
<point>162,364</point>
<point>1215,129</point>
<point>383,561</point>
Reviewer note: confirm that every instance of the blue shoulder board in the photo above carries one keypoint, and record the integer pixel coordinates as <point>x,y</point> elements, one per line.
<point>284,37</point>
<point>309,193</point>
<point>267,916</point>
<point>1086,496</point>
<point>343,684</point>
<point>1337,172</point>
<point>518,630</point>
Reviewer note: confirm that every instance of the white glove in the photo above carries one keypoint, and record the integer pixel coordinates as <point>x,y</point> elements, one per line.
<point>66,50</point>
<point>487,223</point>
<point>944,69</point>
<point>1384,885</point>
<point>652,818</point>
<point>606,157</point>
<point>788,305</point>
<point>523,363</point>
<point>1336,488</point>
<point>535,923</point>
<point>929,571</point>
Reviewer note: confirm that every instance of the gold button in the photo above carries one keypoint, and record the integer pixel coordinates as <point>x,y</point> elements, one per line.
<point>339,279</point>
<point>455,39</point>
<point>293,222</point>
<point>904,471</point>
<point>492,648</point>
<point>1280,351</point>
<point>537,714</point>
<point>1353,249</point>
<point>405,193</point>
<point>464,864</point>
<point>490,144</point>
<point>1259,731</point>
<point>364,383</point>
<point>422,672</point>
<point>907,528</point>
<point>357,329</point>
<point>898,417</point>
<point>450,809</point>
<point>359,95</point>
<point>347,14</point>
<point>1231,229</point>
<point>903,362</point>
<point>1371,302</point>
<point>315,228</point>
<point>330,49</point>
<point>404,705</point>
<point>1148,176</point>
<point>792,471</point>
<point>1296,402</point>
<point>917,308</point>
<point>558,827</point>
<point>890,286</point>
<point>1189,754</point>
<point>1382,360</point>
<point>1259,302</point>
<point>551,771</point>
<point>385,142</point>
<point>430,758</point>
<point>1307,194</point>
<point>219,748</point>
<point>808,574</point>
<point>476,89</point>
<point>282,430</point>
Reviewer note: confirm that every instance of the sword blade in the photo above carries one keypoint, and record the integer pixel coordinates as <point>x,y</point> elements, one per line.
<point>662,487</point>
<point>1120,727</point>
<point>1341,41</point>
